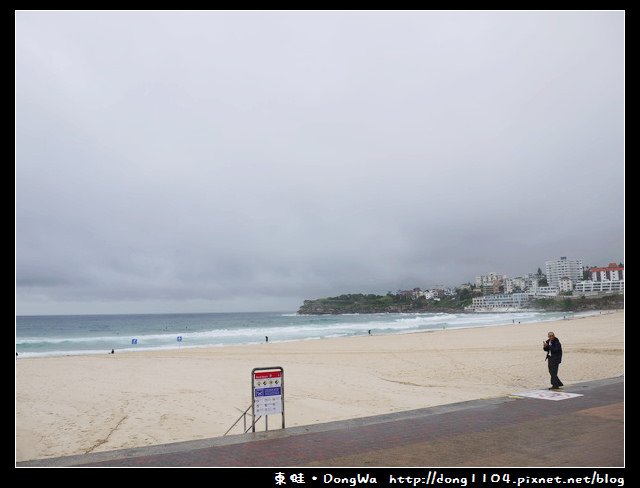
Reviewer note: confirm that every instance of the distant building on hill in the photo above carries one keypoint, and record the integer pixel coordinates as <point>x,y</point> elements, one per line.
<point>613,272</point>
<point>563,269</point>
<point>564,277</point>
<point>594,287</point>
<point>505,302</point>
<point>490,283</point>
<point>609,279</point>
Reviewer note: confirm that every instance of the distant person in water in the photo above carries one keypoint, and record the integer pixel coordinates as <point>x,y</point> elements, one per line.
<point>266,338</point>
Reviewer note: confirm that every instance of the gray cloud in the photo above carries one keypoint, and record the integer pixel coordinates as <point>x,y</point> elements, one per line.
<point>208,161</point>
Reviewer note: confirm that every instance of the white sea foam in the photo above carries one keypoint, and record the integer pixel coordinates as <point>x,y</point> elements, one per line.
<point>79,335</point>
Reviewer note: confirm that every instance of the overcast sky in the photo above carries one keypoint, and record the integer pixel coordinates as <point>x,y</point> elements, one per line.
<point>218,161</point>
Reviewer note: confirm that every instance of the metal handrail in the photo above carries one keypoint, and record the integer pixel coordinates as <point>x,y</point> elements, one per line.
<point>243,416</point>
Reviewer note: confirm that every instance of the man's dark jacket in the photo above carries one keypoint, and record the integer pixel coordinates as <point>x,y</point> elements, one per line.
<point>554,350</point>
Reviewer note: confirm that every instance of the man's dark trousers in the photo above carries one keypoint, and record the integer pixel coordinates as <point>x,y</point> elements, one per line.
<point>553,371</point>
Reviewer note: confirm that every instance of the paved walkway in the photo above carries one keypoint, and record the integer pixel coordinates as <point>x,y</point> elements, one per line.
<point>512,431</point>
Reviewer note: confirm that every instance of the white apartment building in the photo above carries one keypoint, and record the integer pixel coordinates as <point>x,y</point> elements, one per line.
<point>505,302</point>
<point>490,283</point>
<point>565,284</point>
<point>546,291</point>
<point>605,286</point>
<point>563,268</point>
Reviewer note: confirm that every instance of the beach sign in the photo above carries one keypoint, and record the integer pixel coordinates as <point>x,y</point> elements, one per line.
<point>268,392</point>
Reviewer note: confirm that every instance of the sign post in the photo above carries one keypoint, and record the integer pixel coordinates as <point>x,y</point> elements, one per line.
<point>267,388</point>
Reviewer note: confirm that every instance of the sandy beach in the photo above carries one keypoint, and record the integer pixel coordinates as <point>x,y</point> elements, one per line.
<point>81,404</point>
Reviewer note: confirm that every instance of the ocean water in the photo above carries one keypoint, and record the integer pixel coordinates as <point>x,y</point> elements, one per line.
<point>58,335</point>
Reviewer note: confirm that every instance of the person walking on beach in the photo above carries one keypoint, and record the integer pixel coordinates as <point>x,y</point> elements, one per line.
<point>554,358</point>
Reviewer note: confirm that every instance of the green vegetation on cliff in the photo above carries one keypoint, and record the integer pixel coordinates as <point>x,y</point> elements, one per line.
<point>390,303</point>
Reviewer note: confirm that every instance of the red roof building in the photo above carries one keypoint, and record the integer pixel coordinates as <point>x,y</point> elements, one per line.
<point>613,272</point>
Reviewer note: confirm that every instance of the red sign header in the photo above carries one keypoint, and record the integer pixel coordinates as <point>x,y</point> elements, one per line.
<point>268,374</point>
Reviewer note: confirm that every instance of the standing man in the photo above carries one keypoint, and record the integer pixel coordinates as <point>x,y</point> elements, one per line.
<point>554,358</point>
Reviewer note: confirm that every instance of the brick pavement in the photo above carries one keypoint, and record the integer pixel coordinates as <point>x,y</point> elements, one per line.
<point>584,431</point>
